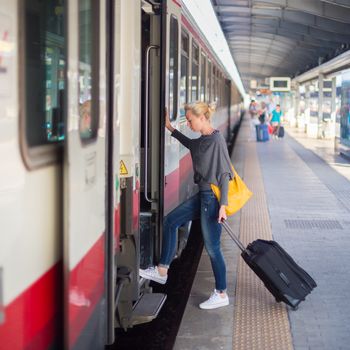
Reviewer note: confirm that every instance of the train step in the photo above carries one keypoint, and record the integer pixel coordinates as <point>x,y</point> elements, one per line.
<point>148,307</point>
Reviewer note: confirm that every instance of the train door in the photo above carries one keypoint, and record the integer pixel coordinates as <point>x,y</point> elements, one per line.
<point>171,52</point>
<point>135,302</point>
<point>151,137</point>
<point>86,239</point>
<point>159,153</point>
<point>128,72</point>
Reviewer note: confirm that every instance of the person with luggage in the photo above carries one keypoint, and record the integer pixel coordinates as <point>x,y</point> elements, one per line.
<point>253,108</point>
<point>211,165</point>
<point>275,121</point>
<point>262,113</point>
<point>262,134</point>
<point>254,121</point>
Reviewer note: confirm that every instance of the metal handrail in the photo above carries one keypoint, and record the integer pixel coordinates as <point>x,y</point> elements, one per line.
<point>148,52</point>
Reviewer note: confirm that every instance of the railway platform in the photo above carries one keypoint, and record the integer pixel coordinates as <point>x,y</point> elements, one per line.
<point>302,200</point>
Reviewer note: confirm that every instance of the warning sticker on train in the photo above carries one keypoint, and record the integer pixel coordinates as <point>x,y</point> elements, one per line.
<point>123,169</point>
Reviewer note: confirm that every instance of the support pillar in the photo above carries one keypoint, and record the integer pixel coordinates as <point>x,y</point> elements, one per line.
<point>320,105</point>
<point>296,104</point>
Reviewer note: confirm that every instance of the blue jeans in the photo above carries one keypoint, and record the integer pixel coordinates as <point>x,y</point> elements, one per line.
<point>205,206</point>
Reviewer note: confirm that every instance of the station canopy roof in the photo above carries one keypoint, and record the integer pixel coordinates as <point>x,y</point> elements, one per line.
<point>283,37</point>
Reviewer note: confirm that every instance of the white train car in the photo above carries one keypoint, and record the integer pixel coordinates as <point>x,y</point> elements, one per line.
<point>88,171</point>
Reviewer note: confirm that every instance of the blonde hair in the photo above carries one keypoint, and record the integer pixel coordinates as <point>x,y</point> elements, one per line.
<point>198,108</point>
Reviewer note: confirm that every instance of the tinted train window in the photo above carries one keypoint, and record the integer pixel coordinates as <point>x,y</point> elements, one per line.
<point>217,87</point>
<point>184,72</point>
<point>88,84</point>
<point>203,77</point>
<point>173,67</point>
<point>327,100</point>
<point>345,109</point>
<point>313,99</point>
<point>214,84</point>
<point>209,93</point>
<point>195,64</point>
<point>45,61</point>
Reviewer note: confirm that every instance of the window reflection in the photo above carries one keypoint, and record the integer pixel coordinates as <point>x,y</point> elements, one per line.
<point>45,60</point>
<point>88,121</point>
<point>345,110</point>
<point>203,78</point>
<point>85,126</point>
<point>184,72</point>
<point>195,69</point>
<point>173,68</point>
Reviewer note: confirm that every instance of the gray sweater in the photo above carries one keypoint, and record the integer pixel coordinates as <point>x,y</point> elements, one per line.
<point>211,161</point>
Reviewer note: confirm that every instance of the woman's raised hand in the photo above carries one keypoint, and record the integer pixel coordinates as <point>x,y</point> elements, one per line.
<point>167,121</point>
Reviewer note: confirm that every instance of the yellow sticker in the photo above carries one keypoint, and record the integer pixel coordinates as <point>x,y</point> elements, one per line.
<point>123,169</point>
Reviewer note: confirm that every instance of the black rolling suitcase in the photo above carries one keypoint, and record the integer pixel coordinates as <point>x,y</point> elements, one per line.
<point>280,133</point>
<point>281,275</point>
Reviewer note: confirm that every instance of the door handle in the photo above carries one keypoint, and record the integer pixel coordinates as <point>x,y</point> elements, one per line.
<point>148,53</point>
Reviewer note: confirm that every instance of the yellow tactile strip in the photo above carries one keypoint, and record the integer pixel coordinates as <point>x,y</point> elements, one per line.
<point>259,322</point>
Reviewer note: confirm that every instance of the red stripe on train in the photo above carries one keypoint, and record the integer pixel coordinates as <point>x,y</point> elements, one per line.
<point>177,2</point>
<point>86,286</point>
<point>185,165</point>
<point>136,207</point>
<point>173,183</point>
<point>171,191</point>
<point>32,320</point>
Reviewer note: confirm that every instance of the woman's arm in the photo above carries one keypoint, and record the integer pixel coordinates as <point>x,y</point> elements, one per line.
<point>225,178</point>
<point>176,133</point>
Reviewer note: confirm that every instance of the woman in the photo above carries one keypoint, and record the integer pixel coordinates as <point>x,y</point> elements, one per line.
<point>211,164</point>
<point>276,120</point>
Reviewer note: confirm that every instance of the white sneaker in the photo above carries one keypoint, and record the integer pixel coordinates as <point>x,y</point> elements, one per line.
<point>215,300</point>
<point>152,274</point>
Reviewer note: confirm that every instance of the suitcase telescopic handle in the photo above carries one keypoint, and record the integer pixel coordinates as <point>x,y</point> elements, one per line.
<point>233,236</point>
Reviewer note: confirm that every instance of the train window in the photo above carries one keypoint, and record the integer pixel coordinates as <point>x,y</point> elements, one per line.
<point>44,62</point>
<point>214,84</point>
<point>327,85</point>
<point>221,91</point>
<point>195,64</point>
<point>184,72</point>
<point>217,86</point>
<point>218,81</point>
<point>203,77</point>
<point>209,93</point>
<point>313,99</point>
<point>173,67</point>
<point>88,85</point>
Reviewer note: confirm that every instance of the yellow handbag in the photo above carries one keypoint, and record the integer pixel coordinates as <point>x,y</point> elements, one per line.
<point>238,194</point>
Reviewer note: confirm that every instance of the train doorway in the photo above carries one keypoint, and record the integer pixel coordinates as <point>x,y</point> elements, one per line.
<point>151,135</point>
<point>159,156</point>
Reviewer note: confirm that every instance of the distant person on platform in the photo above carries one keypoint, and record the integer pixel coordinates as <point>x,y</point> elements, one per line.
<point>275,120</point>
<point>262,113</point>
<point>253,109</point>
<point>254,121</point>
